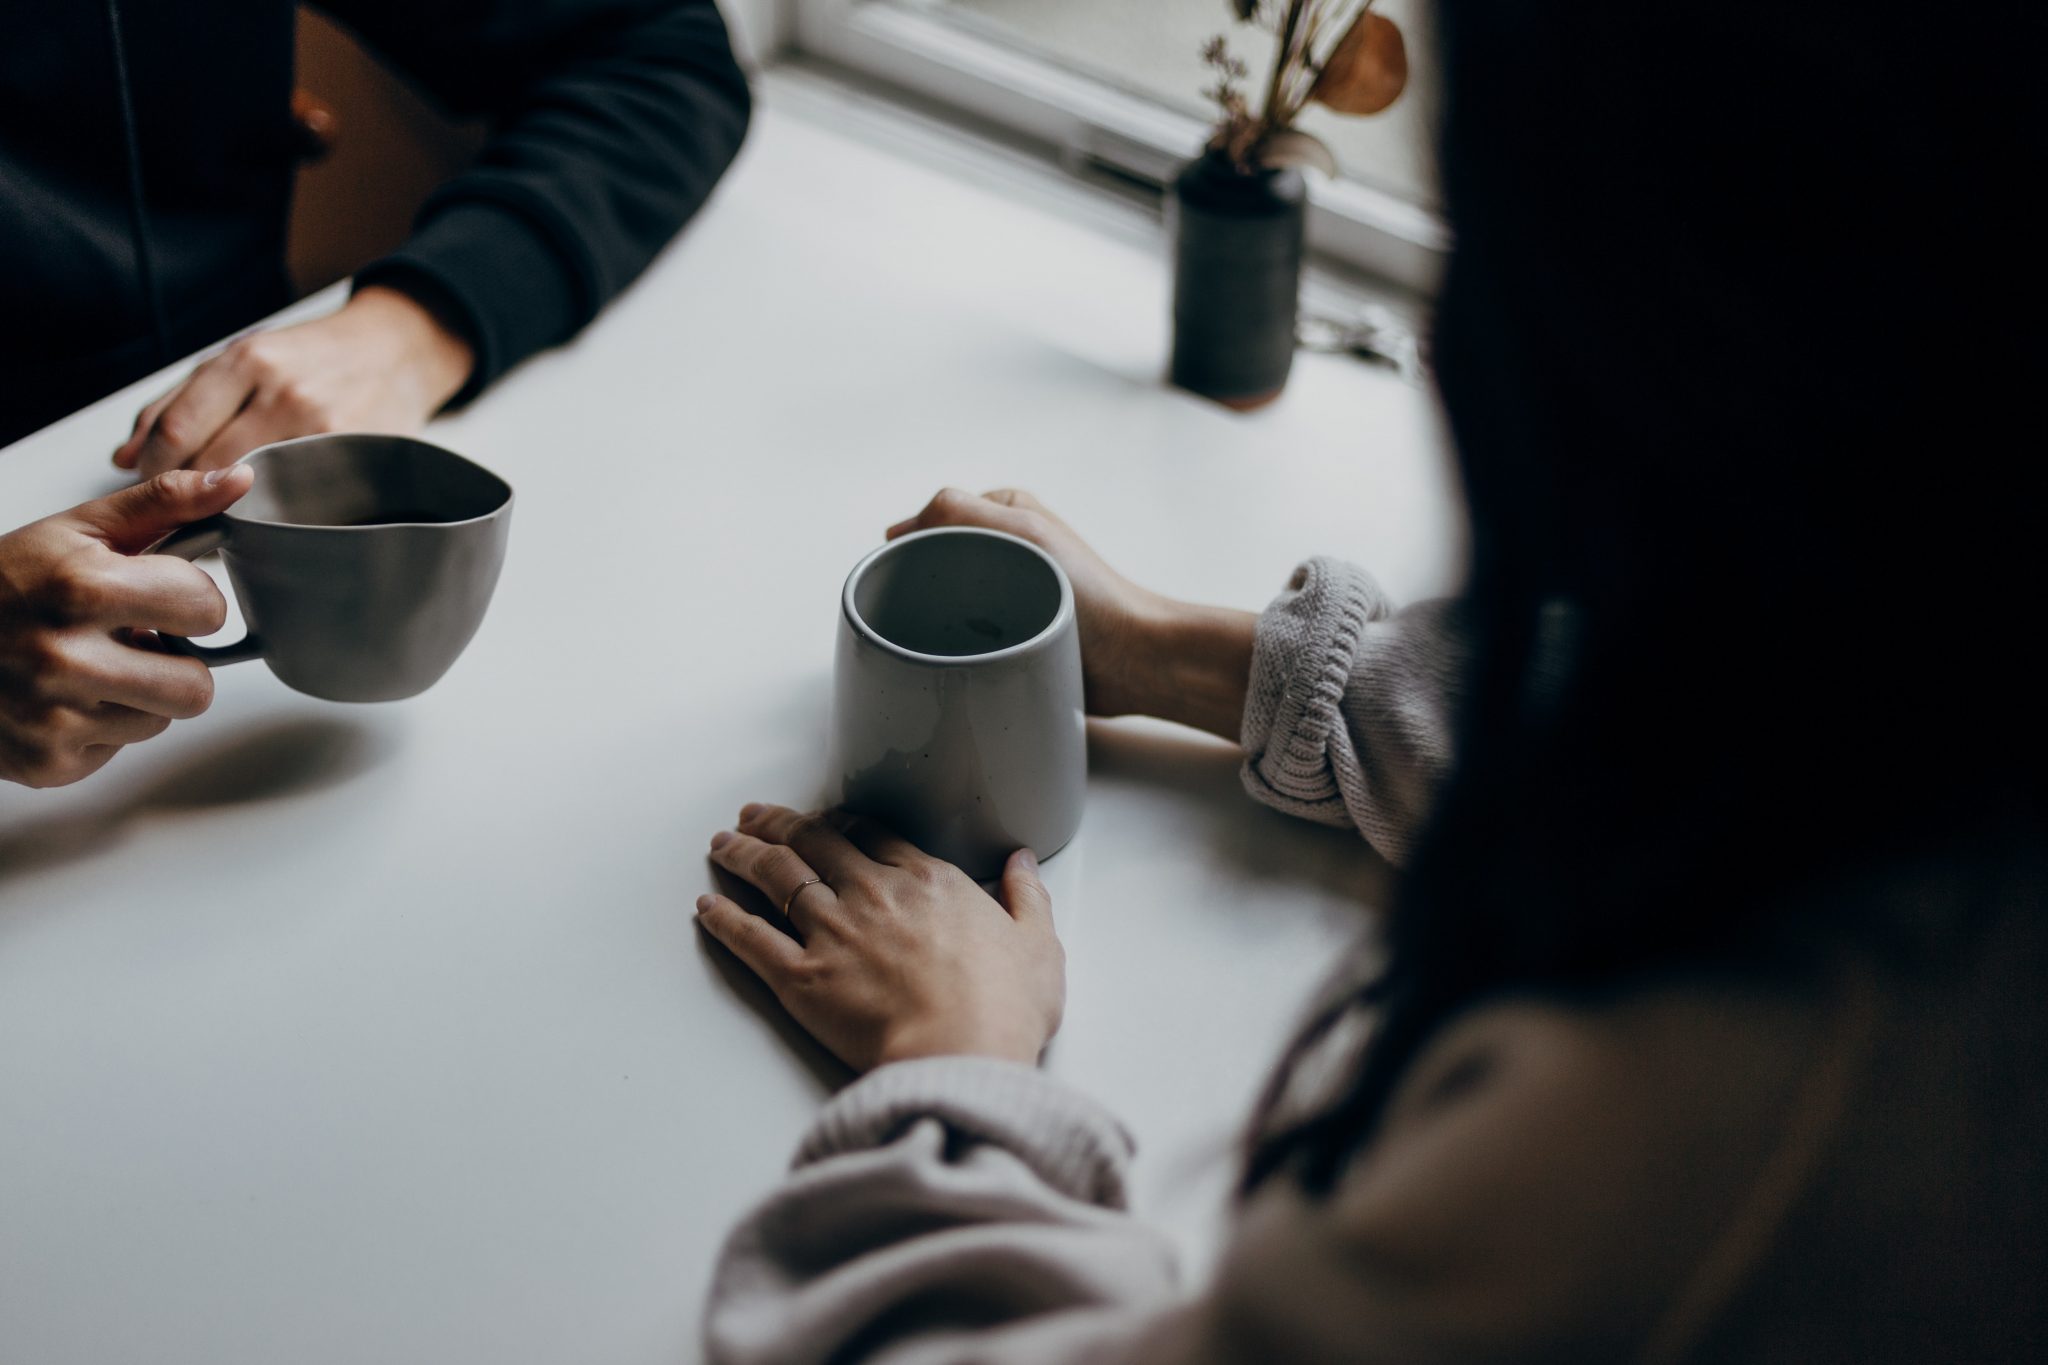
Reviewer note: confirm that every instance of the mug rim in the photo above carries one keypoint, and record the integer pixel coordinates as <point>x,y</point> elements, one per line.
<point>505,505</point>
<point>1060,617</point>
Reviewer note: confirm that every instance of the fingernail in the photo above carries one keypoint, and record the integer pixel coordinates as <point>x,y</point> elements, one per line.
<point>721,839</point>
<point>1028,858</point>
<point>750,810</point>
<point>214,476</point>
<point>705,903</point>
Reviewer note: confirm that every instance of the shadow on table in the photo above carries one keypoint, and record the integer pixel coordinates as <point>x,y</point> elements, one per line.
<point>281,758</point>
<point>830,1073</point>
<point>1228,825</point>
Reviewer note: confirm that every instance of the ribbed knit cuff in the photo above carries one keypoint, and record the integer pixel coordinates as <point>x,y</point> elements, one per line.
<point>1069,1141</point>
<point>1302,654</point>
<point>493,274</point>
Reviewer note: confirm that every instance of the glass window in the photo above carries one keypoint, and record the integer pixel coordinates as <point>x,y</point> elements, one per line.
<point>1119,84</point>
<point>1153,48</point>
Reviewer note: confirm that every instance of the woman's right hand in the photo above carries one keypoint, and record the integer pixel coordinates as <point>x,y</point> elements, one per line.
<point>1141,653</point>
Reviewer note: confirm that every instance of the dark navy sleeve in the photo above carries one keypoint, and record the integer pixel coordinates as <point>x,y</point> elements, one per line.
<point>611,121</point>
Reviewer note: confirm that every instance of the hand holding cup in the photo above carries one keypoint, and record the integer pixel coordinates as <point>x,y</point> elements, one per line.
<point>1116,617</point>
<point>1141,653</point>
<point>82,671</point>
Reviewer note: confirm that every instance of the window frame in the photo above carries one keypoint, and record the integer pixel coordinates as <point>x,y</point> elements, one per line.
<point>1085,121</point>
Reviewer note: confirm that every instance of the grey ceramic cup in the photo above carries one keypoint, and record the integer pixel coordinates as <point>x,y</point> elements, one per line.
<point>363,564</point>
<point>957,707</point>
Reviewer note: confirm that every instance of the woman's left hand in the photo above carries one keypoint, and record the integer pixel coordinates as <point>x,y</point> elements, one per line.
<point>890,954</point>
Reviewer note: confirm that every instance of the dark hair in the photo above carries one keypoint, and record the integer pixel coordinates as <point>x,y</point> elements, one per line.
<point>1741,344</point>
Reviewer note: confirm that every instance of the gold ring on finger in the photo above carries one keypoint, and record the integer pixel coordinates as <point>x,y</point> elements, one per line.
<point>790,899</point>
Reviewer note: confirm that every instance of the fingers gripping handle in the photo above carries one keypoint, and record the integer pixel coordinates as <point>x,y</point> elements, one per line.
<point>196,541</point>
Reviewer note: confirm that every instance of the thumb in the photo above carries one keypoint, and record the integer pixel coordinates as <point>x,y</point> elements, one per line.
<point>1024,895</point>
<point>133,518</point>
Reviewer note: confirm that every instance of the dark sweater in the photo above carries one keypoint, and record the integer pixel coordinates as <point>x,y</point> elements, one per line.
<point>612,119</point>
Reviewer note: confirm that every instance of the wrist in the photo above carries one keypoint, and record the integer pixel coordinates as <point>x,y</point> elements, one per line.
<point>1197,664</point>
<point>912,1042</point>
<point>433,350</point>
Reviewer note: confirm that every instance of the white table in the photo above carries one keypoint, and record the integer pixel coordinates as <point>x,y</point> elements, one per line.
<point>384,1034</point>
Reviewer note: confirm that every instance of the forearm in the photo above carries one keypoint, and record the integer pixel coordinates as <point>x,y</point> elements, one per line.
<point>435,356</point>
<point>1193,666</point>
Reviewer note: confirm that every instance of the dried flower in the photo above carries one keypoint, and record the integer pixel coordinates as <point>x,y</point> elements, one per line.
<point>1230,101</point>
<point>1217,56</point>
<point>1361,73</point>
<point>1366,70</point>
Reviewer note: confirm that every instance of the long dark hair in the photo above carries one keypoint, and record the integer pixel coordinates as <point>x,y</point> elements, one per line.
<point>1742,347</point>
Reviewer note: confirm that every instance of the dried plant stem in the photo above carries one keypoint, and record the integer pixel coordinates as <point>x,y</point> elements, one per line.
<point>1301,74</point>
<point>1282,61</point>
<point>1309,69</point>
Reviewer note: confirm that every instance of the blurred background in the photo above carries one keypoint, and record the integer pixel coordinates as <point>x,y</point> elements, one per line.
<point>1110,89</point>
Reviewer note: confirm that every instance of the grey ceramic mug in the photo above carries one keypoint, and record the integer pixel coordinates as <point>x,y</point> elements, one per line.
<point>958,717</point>
<point>363,564</point>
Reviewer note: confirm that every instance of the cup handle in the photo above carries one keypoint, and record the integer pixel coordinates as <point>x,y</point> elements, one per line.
<point>199,539</point>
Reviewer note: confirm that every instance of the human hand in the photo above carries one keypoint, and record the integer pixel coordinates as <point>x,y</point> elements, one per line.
<point>1141,653</point>
<point>80,675</point>
<point>383,363</point>
<point>1117,618</point>
<point>892,954</point>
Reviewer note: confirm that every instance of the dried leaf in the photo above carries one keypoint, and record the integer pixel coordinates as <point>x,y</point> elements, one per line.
<point>1367,70</point>
<point>1292,147</point>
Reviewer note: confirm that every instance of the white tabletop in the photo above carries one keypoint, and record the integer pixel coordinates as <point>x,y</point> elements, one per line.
<point>384,1033</point>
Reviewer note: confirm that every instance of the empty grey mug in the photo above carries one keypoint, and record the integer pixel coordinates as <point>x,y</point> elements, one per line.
<point>958,717</point>
<point>363,564</point>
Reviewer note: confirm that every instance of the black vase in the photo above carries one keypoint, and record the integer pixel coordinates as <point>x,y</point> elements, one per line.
<point>1237,239</point>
